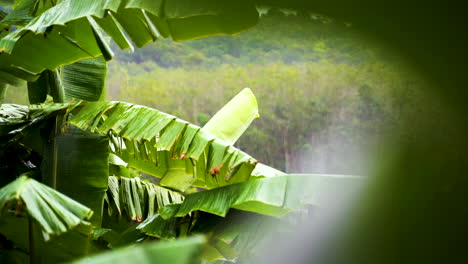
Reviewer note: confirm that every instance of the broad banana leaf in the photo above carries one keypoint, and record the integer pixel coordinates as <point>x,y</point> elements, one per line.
<point>239,234</point>
<point>160,144</point>
<point>82,171</point>
<point>236,235</point>
<point>53,211</point>
<point>74,162</point>
<point>25,234</point>
<point>183,251</point>
<point>264,196</point>
<point>65,247</point>
<point>85,79</point>
<point>274,196</point>
<point>57,46</point>
<point>156,226</point>
<point>82,80</point>
<point>73,30</point>
<point>139,199</point>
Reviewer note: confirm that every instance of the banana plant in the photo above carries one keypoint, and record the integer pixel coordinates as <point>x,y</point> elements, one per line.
<point>82,176</point>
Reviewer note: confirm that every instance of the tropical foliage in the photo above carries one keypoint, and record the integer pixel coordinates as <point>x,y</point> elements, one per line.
<point>350,92</point>
<point>72,164</point>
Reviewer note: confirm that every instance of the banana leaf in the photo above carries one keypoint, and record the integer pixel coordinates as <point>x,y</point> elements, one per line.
<point>138,199</point>
<point>25,235</point>
<point>159,144</point>
<point>73,162</point>
<point>274,196</point>
<point>238,235</point>
<point>183,251</point>
<point>229,123</point>
<point>156,226</point>
<point>85,79</point>
<point>53,211</point>
<point>165,146</point>
<point>81,167</point>
<point>74,30</point>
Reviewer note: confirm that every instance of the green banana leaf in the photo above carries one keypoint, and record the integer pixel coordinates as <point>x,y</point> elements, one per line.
<point>183,251</point>
<point>156,226</point>
<point>22,13</point>
<point>137,198</point>
<point>74,30</point>
<point>62,45</point>
<point>157,143</point>
<point>73,161</point>
<point>274,196</point>
<point>53,211</point>
<point>239,234</point>
<point>81,168</point>
<point>229,123</point>
<point>85,79</point>
<point>264,196</point>
<point>24,235</point>
<point>165,146</point>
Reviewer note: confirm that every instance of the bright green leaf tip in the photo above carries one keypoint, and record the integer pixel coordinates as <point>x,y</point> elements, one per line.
<point>234,118</point>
